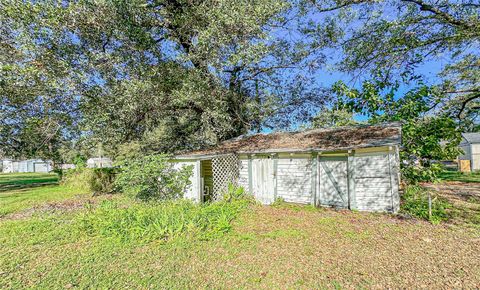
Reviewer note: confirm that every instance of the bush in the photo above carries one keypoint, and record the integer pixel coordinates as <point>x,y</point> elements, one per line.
<point>153,177</point>
<point>97,180</point>
<point>160,220</point>
<point>415,203</point>
<point>234,192</point>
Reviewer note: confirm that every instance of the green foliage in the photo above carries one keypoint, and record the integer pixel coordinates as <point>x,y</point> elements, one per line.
<point>330,118</point>
<point>425,138</point>
<point>234,192</point>
<point>94,180</point>
<point>80,161</point>
<point>153,177</point>
<point>394,46</point>
<point>160,220</point>
<point>103,180</point>
<point>415,203</point>
<point>415,173</point>
<point>171,75</point>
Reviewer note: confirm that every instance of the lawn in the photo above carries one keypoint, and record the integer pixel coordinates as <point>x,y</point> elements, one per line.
<point>22,191</point>
<point>460,176</point>
<point>114,242</point>
<point>7,179</point>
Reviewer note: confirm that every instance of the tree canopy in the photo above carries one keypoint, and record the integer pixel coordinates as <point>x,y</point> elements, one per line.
<point>168,75</point>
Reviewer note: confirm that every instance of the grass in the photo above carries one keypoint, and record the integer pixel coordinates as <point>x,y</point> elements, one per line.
<point>120,243</point>
<point>23,179</point>
<point>15,201</point>
<point>415,203</point>
<point>460,176</point>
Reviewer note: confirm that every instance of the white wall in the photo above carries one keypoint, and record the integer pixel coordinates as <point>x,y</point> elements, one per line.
<point>294,178</point>
<point>7,166</point>
<point>374,177</point>
<point>243,178</point>
<point>193,192</point>
<point>376,181</point>
<point>475,161</point>
<point>466,149</point>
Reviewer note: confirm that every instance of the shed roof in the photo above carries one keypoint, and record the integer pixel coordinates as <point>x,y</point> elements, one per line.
<point>342,138</point>
<point>472,137</point>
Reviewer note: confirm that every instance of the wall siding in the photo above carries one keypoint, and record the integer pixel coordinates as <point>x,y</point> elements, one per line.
<point>374,175</point>
<point>243,178</point>
<point>294,180</point>
<point>475,151</point>
<point>194,189</point>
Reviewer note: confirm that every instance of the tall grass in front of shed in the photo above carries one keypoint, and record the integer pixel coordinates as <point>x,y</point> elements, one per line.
<point>149,221</point>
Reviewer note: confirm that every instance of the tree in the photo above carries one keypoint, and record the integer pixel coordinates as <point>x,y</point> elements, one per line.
<point>331,118</point>
<point>391,39</point>
<point>171,74</point>
<point>426,137</point>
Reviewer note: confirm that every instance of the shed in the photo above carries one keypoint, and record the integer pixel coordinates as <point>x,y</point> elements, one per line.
<point>348,167</point>
<point>99,162</point>
<point>470,144</point>
<point>30,165</point>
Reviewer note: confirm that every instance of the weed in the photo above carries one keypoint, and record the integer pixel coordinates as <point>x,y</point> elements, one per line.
<point>143,222</point>
<point>415,203</point>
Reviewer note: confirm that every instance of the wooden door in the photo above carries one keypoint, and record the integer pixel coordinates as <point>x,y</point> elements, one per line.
<point>263,179</point>
<point>333,182</point>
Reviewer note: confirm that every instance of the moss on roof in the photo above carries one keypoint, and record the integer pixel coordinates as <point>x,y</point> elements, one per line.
<point>309,140</point>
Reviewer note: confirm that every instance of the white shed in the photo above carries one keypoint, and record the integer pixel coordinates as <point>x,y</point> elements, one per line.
<point>7,166</point>
<point>30,165</point>
<point>99,162</point>
<point>350,167</point>
<point>471,146</point>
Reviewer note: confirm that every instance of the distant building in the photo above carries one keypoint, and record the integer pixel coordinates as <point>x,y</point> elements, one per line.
<point>471,146</point>
<point>31,165</point>
<point>103,162</point>
<point>66,166</point>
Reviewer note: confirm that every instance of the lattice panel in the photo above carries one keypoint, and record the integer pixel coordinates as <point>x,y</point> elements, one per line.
<point>225,171</point>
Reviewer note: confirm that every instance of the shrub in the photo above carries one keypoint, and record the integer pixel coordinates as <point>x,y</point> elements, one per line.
<point>153,177</point>
<point>415,203</point>
<point>234,192</point>
<point>160,220</point>
<point>97,180</point>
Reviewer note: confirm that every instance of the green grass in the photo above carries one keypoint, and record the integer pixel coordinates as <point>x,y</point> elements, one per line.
<point>460,176</point>
<point>122,243</point>
<point>14,201</point>
<point>26,178</point>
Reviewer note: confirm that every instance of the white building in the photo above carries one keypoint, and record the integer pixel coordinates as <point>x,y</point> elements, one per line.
<point>97,162</point>
<point>471,146</point>
<point>31,165</point>
<point>350,167</point>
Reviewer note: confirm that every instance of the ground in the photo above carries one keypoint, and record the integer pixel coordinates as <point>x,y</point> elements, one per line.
<point>282,246</point>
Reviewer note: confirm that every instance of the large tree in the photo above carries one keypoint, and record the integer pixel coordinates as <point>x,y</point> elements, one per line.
<point>172,74</point>
<point>392,39</point>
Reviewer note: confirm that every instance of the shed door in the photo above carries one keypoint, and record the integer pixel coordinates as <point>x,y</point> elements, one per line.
<point>263,179</point>
<point>333,182</point>
<point>40,167</point>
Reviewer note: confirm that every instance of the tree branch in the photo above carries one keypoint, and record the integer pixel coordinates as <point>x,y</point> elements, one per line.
<point>445,16</point>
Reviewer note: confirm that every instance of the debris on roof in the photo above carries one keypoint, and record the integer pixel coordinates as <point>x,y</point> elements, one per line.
<point>342,138</point>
